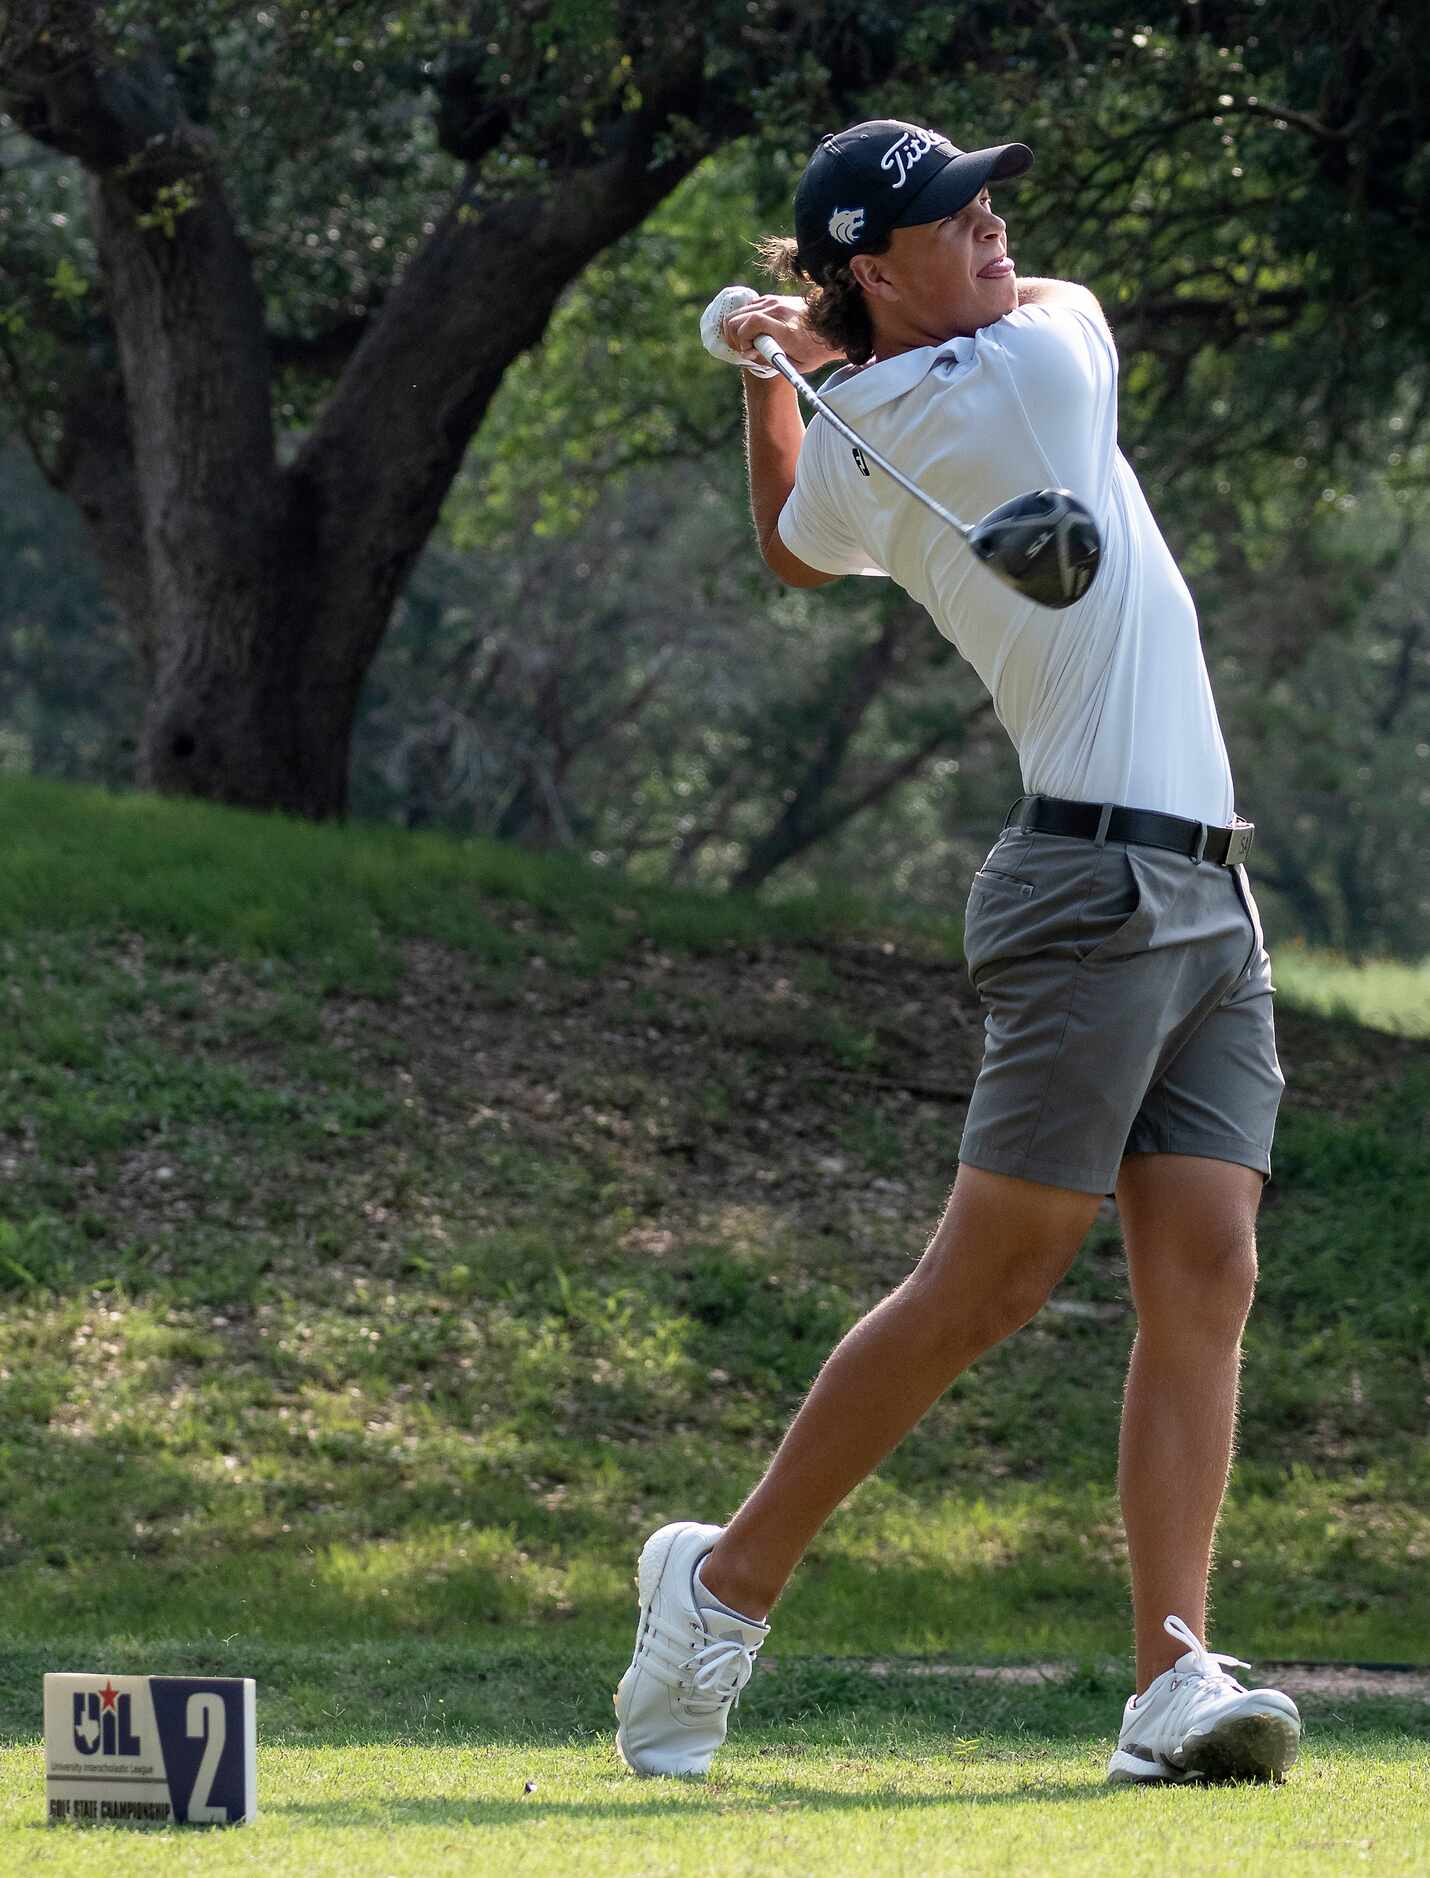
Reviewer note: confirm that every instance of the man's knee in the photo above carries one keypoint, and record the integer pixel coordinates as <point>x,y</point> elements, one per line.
<point>967,1310</point>
<point>1191,1246</point>
<point>1022,1293</point>
<point>1198,1302</point>
<point>1001,1249</point>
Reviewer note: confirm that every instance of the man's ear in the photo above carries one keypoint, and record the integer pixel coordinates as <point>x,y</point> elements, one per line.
<point>868,270</point>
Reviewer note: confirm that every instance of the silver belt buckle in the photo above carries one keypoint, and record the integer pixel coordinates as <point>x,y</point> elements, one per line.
<point>1239,845</point>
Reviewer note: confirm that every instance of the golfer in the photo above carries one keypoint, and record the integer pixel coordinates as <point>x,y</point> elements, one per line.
<point>1111,935</point>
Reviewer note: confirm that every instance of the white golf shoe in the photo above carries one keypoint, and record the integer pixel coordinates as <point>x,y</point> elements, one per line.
<point>1197,1723</point>
<point>691,1660</point>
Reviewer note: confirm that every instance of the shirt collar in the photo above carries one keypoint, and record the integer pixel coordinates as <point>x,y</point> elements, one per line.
<point>855,390</point>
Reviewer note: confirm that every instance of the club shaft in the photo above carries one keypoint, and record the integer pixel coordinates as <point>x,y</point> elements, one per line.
<point>769,348</point>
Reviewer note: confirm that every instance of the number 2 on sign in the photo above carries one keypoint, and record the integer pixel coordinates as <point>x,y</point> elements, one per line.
<point>204,1720</point>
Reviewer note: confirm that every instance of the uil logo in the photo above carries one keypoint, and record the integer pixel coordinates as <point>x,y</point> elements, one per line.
<point>845,225</point>
<point>904,152</point>
<point>103,1722</point>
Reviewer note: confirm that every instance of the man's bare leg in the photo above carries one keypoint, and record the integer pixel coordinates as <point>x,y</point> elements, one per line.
<point>1001,1247</point>
<point>1190,1229</point>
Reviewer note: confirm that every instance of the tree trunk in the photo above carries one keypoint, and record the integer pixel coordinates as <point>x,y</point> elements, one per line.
<point>258,594</point>
<point>240,707</point>
<point>288,583</point>
<point>237,714</point>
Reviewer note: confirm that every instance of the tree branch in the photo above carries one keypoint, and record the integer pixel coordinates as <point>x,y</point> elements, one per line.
<point>1402,686</point>
<point>60,87</point>
<point>907,766</point>
<point>1303,120</point>
<point>187,316</point>
<point>423,374</point>
<point>848,696</point>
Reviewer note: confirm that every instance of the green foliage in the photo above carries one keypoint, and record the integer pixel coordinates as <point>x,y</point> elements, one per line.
<point>1189,170</point>
<point>1166,178</point>
<point>67,283</point>
<point>344,135</point>
<point>619,379</point>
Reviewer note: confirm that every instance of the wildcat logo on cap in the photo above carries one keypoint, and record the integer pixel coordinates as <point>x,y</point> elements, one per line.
<point>845,225</point>
<point>905,152</point>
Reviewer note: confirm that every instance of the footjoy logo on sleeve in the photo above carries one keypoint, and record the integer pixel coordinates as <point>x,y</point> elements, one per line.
<point>845,224</point>
<point>905,152</point>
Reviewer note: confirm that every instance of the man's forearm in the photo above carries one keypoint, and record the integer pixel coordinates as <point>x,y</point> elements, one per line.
<point>774,431</point>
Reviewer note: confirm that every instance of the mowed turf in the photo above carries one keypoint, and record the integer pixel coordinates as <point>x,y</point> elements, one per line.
<point>452,1762</point>
<point>406,1809</point>
<point>393,1231</point>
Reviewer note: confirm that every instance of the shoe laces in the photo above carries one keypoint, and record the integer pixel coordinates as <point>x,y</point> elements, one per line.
<point>1209,1664</point>
<point>717,1673</point>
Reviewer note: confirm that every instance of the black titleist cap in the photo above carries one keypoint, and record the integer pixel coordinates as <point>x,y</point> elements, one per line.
<point>882,175</point>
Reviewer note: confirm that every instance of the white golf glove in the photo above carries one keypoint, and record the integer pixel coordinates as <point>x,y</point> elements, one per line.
<point>730,300</point>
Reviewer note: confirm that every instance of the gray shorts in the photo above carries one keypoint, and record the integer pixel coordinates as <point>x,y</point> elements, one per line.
<point>1128,996</point>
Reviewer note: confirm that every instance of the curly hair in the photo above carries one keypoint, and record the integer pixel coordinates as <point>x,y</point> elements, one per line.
<point>834,300</point>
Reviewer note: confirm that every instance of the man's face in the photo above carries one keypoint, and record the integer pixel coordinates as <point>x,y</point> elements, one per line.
<point>940,280</point>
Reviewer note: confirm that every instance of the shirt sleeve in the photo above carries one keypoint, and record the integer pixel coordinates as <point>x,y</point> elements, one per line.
<point>811,523</point>
<point>1062,367</point>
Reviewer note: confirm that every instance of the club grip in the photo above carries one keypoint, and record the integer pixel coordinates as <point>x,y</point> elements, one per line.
<point>768,347</point>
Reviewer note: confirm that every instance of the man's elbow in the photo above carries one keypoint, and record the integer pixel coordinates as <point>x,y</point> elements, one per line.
<point>800,577</point>
<point>788,566</point>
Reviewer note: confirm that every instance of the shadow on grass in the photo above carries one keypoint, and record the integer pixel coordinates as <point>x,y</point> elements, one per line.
<point>139,1542</point>
<point>718,1800</point>
<point>462,1699</point>
<point>701,1802</point>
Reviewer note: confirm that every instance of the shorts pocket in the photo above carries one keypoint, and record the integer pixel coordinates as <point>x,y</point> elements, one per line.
<point>987,879</point>
<point>1116,911</point>
<point>995,921</point>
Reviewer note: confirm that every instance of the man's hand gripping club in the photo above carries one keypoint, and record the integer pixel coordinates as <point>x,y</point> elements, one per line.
<point>729,325</point>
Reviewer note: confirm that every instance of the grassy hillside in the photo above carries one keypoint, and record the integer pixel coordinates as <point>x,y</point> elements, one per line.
<point>393,1231</point>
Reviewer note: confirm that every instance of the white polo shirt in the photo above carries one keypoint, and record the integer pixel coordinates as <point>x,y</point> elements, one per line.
<point>1106,701</point>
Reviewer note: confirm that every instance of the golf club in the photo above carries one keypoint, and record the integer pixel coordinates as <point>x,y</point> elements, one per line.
<point>1044,545</point>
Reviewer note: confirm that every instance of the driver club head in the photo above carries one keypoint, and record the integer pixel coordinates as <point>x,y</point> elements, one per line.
<point>1044,544</point>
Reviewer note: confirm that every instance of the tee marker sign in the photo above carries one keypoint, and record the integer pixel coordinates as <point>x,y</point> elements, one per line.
<point>136,1750</point>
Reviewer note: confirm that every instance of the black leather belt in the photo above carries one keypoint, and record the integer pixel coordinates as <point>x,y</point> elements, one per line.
<point>1105,821</point>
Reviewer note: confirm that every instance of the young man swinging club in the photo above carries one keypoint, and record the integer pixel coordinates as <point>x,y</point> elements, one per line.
<point>1111,935</point>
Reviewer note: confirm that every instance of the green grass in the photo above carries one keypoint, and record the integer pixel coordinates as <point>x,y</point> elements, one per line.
<point>870,1804</point>
<point>266,887</point>
<point>310,1317</point>
<point>433,1759</point>
<point>1389,994</point>
<point>462,1412</point>
<point>393,1230</point>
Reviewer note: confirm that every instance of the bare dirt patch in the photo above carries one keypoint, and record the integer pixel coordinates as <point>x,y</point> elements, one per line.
<point>819,1087</point>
